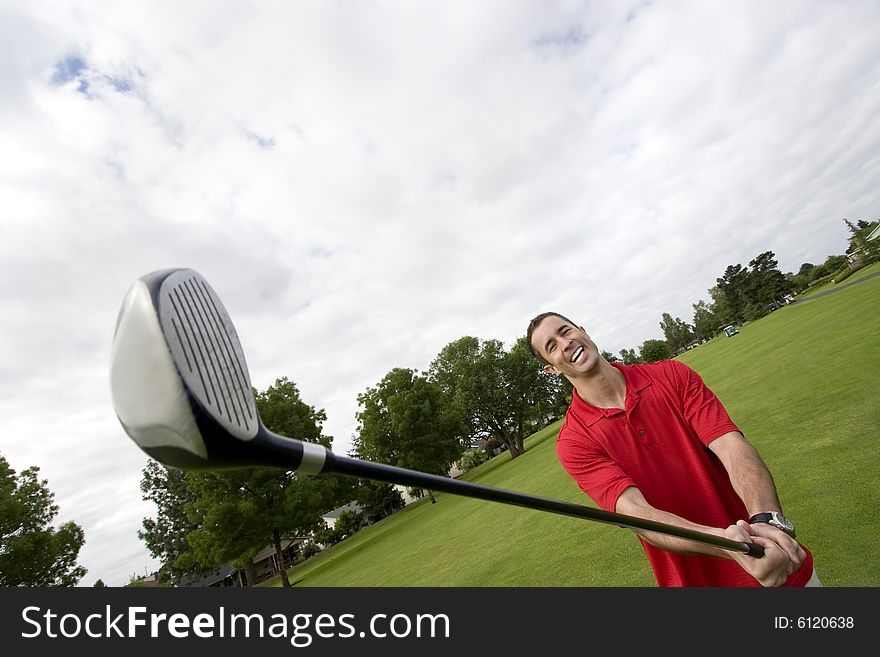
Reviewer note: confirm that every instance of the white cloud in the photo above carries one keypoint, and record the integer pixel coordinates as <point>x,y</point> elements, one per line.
<point>364,182</point>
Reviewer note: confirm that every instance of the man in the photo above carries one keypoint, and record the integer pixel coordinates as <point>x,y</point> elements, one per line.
<point>653,441</point>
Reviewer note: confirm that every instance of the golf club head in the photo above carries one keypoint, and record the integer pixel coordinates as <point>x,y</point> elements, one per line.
<point>180,383</point>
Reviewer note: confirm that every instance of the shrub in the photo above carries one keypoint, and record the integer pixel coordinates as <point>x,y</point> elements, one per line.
<point>310,550</point>
<point>846,272</point>
<point>472,459</point>
<point>326,536</point>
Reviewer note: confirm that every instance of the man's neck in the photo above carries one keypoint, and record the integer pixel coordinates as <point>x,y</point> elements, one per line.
<point>605,387</point>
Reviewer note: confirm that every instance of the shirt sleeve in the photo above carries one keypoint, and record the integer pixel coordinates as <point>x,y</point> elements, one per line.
<point>702,409</point>
<point>601,478</point>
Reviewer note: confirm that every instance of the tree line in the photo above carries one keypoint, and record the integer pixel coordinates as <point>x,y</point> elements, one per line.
<point>746,293</point>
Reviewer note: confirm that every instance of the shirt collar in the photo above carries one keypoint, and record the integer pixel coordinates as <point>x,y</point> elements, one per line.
<point>636,381</point>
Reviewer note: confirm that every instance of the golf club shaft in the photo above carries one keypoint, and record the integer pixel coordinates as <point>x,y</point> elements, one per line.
<point>182,392</point>
<point>394,475</point>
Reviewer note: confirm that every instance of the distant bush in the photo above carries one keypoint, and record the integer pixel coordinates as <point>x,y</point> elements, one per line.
<point>846,272</point>
<point>472,459</point>
<point>310,550</point>
<point>819,282</point>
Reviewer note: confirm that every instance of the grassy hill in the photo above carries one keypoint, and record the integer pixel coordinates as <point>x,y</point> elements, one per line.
<point>802,383</point>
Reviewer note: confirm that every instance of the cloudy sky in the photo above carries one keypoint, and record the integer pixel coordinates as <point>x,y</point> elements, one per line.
<point>364,182</point>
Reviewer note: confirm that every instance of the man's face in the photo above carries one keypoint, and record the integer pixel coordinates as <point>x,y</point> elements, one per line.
<point>567,348</point>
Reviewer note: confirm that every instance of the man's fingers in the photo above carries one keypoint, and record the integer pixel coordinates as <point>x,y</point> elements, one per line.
<point>738,533</point>
<point>791,547</point>
<point>775,566</point>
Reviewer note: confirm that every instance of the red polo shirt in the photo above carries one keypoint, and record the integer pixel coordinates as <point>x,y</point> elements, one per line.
<point>658,444</point>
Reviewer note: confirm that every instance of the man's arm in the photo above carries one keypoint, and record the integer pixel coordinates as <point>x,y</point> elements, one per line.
<point>749,475</point>
<point>753,483</point>
<point>770,570</point>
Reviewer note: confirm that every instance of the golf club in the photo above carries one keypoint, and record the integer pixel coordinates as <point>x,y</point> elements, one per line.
<point>182,392</point>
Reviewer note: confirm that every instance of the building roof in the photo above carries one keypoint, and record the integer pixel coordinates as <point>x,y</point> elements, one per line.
<point>269,550</point>
<point>353,507</point>
<point>224,571</point>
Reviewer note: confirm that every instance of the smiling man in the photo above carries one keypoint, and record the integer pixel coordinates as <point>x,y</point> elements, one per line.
<point>653,441</point>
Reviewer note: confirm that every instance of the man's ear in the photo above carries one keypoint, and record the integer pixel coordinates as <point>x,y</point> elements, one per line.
<point>551,370</point>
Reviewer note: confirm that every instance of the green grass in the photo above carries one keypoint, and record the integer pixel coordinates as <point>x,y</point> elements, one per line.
<point>803,385</point>
<point>465,542</point>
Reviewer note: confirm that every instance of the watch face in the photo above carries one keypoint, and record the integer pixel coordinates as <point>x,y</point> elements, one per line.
<point>775,519</point>
<point>783,523</point>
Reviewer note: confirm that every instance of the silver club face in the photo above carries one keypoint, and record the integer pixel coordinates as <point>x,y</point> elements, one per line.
<point>207,352</point>
<point>179,380</point>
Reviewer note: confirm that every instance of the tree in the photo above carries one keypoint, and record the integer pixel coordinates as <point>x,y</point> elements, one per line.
<point>630,357</point>
<point>378,499</point>
<point>733,287</point>
<point>468,372</point>
<point>654,350</point>
<point>678,334</point>
<point>805,269</point>
<point>241,511</point>
<point>861,249</point>
<point>745,293</point>
<point>99,584</point>
<point>720,309</point>
<point>348,523</point>
<point>832,265</point>
<point>406,421</point>
<point>797,282</point>
<point>283,411</point>
<point>706,322</point>
<point>766,282</point>
<point>611,358</point>
<point>32,553</point>
<point>502,394</point>
<point>535,397</point>
<point>166,535</point>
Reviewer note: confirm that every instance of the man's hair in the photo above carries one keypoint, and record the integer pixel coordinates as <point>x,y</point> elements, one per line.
<point>534,324</point>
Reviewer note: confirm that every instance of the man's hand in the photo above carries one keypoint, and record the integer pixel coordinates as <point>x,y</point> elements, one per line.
<point>792,548</point>
<point>780,558</point>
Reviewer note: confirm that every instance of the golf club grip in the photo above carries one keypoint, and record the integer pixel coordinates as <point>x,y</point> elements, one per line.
<point>755,550</point>
<point>394,475</point>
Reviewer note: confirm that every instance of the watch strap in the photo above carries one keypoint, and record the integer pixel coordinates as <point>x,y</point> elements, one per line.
<point>775,519</point>
<point>761,517</point>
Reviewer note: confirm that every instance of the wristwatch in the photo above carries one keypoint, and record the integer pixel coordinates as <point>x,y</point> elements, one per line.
<point>775,519</point>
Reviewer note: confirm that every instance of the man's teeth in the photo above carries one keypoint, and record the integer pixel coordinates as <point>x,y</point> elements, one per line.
<point>577,354</point>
